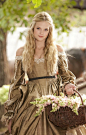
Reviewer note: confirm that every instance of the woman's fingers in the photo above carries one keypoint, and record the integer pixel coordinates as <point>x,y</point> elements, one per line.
<point>69,88</point>
<point>73,86</point>
<point>69,91</point>
<point>70,85</point>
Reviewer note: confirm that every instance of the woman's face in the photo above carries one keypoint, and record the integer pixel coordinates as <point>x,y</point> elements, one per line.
<point>41,30</point>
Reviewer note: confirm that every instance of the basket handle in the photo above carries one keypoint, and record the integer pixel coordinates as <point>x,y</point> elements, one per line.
<point>79,96</point>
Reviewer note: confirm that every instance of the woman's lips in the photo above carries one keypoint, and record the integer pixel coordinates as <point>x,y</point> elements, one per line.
<point>41,36</point>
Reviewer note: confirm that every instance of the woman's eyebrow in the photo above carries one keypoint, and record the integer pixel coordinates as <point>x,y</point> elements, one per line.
<point>44,28</point>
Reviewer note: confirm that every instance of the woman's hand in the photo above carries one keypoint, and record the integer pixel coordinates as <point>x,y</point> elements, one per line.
<point>69,88</point>
<point>9,126</point>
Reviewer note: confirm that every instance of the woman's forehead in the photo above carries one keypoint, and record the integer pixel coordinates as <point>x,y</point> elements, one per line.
<point>42,24</point>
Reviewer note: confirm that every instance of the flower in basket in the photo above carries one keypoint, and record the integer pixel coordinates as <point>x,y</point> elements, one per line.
<point>84,99</point>
<point>58,101</point>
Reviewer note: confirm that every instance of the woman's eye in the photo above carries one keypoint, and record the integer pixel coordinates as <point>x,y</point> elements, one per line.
<point>38,28</point>
<point>46,29</point>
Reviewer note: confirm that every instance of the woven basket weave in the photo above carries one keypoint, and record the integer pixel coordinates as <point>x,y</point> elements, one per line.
<point>65,117</point>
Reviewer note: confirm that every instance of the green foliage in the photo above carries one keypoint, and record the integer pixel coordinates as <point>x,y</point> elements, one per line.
<point>37,3</point>
<point>20,13</point>
<point>78,18</point>
<point>4,93</point>
<point>28,1</point>
<point>15,13</point>
<point>81,3</point>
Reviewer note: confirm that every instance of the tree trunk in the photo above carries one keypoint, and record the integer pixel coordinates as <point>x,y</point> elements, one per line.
<point>4,78</point>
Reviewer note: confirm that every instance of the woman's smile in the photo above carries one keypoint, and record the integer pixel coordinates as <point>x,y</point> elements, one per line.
<point>40,36</point>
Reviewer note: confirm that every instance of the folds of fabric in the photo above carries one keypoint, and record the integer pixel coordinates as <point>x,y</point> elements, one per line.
<point>22,112</point>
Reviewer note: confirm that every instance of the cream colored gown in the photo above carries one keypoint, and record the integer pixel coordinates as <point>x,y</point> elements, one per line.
<point>18,105</point>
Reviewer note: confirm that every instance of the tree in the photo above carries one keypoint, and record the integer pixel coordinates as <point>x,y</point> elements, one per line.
<point>15,13</point>
<point>9,12</point>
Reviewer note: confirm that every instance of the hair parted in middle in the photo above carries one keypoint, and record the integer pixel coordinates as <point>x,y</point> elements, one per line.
<point>50,50</point>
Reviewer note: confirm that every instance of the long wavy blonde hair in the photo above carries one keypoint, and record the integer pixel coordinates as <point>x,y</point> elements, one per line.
<point>50,50</point>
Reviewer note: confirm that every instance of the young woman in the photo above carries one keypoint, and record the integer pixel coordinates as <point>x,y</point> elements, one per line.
<point>41,59</point>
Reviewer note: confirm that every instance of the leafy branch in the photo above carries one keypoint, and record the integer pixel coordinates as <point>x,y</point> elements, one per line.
<point>36,2</point>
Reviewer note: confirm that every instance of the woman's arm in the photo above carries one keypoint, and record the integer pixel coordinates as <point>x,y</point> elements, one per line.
<point>12,104</point>
<point>19,51</point>
<point>68,78</point>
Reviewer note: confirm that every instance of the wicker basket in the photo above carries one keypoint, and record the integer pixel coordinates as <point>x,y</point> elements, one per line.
<point>65,117</point>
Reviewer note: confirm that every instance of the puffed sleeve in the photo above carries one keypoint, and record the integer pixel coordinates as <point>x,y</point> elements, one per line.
<point>14,97</point>
<point>66,75</point>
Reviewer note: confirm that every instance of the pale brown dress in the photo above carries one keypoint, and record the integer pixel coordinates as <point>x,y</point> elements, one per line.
<point>21,111</point>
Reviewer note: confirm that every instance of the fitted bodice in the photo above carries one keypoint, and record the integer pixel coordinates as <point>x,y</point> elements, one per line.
<point>41,85</point>
<point>38,69</point>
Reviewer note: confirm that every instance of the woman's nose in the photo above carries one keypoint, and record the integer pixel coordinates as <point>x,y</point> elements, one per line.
<point>41,32</point>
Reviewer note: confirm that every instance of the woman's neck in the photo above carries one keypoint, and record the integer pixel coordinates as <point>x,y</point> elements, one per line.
<point>40,45</point>
<point>39,50</point>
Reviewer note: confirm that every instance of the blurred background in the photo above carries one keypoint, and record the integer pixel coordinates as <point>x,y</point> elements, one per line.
<point>69,17</point>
